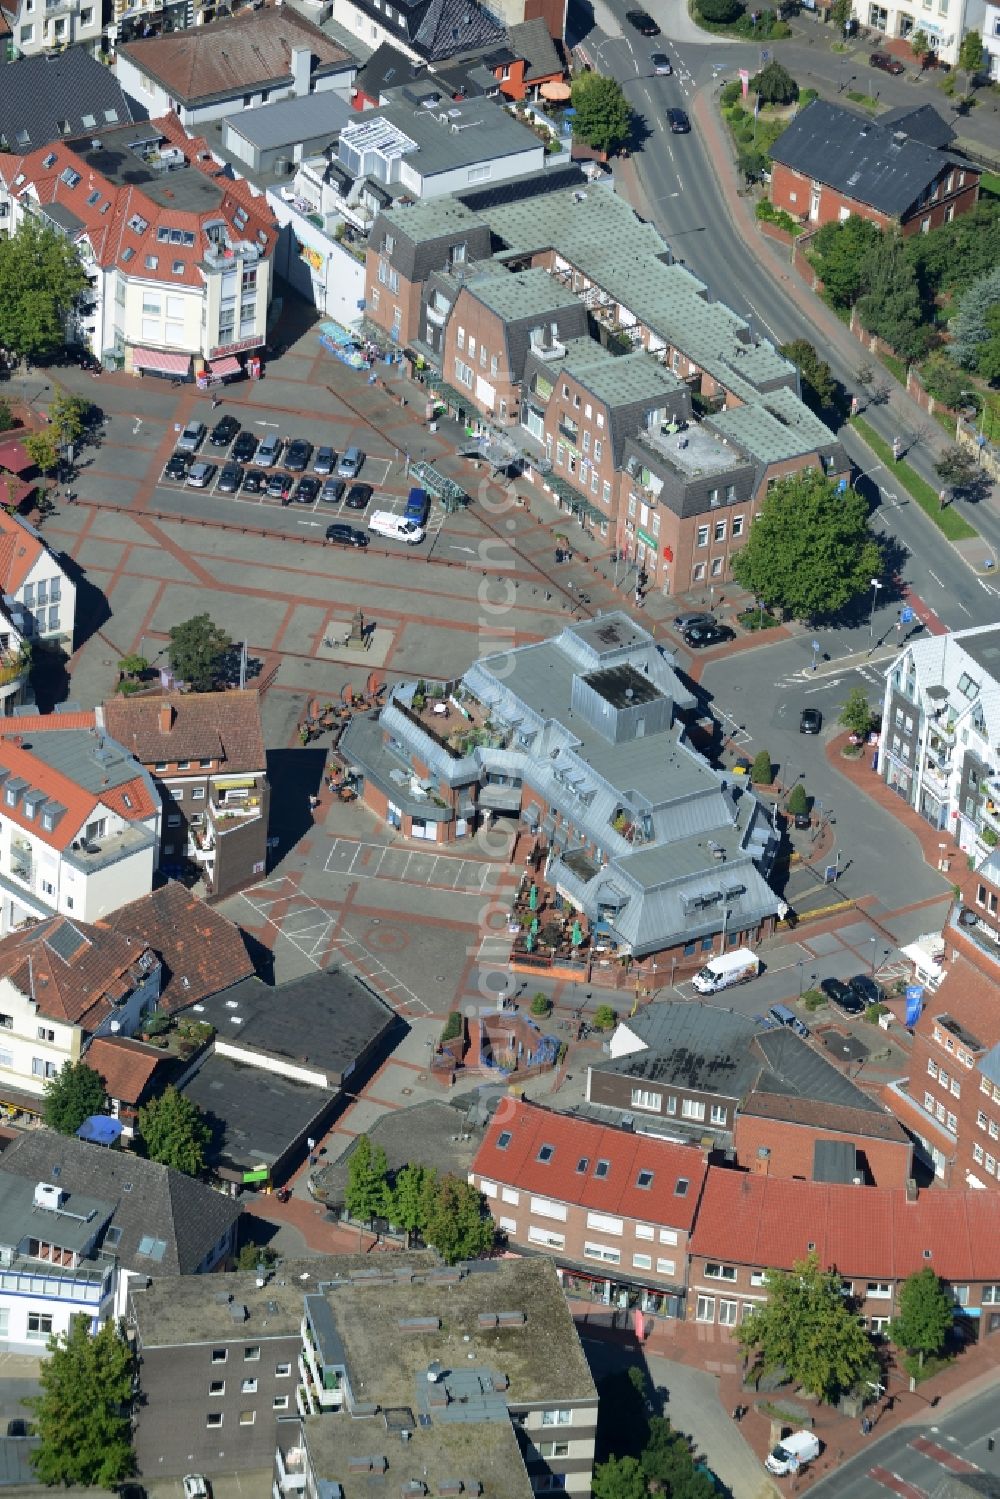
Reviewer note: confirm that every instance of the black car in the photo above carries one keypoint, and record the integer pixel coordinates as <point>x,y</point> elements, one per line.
<point>701,635</point>
<point>298,455</point>
<point>224,431</point>
<point>279,487</point>
<point>842,995</point>
<point>177,466</point>
<point>346,536</point>
<point>802,820</point>
<point>679,122</point>
<point>244,447</point>
<point>688,621</point>
<point>358,496</point>
<point>254,481</point>
<point>810,721</point>
<point>643,23</point>
<point>868,992</point>
<point>230,478</point>
<point>306,490</point>
<point>332,492</point>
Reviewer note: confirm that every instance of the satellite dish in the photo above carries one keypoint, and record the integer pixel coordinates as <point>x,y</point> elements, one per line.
<point>116,1026</point>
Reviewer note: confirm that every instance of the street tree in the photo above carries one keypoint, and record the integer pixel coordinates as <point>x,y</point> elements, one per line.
<point>458,1224</point>
<point>798,801</point>
<point>603,118</point>
<point>920,44</point>
<point>926,1315</point>
<point>6,416</point>
<point>971,56</point>
<point>619,1478</point>
<point>81,1416</point>
<point>856,714</point>
<point>762,771</point>
<point>196,650</point>
<point>256,1256</point>
<point>76,1092</point>
<point>174,1132</point>
<point>68,417</point>
<point>774,85</point>
<point>43,450</point>
<point>41,275</point>
<point>667,1462</point>
<point>410,1195</point>
<point>367,1195</point>
<point>957,467</point>
<point>840,13</point>
<point>839,251</point>
<point>808,1328</point>
<point>809,550</point>
<point>974,325</point>
<point>819,388</point>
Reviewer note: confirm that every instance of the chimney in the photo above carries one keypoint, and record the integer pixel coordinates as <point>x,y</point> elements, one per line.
<point>301,71</point>
<point>166,717</point>
<point>762,1161</point>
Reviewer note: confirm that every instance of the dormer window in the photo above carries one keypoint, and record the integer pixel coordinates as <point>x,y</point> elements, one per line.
<point>545,1153</point>
<point>602,1168</point>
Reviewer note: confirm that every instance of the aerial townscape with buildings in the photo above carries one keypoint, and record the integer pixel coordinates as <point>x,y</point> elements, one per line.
<point>499,748</point>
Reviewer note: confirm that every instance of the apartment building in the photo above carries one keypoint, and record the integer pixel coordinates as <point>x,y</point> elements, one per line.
<point>79,821</point>
<point>39,25</point>
<point>943,22</point>
<point>39,596</point>
<point>176,250</point>
<point>205,754</point>
<point>611,1207</point>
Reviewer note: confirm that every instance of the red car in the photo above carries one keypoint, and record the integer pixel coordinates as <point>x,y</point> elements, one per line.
<point>887,63</point>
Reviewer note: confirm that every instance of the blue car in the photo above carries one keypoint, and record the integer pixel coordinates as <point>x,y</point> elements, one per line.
<point>418,507</point>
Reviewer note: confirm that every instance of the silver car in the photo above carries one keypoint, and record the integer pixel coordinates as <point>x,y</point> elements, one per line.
<point>200,475</point>
<point>191,438</point>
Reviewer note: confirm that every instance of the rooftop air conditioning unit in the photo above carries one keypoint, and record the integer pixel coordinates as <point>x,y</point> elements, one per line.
<point>48,1196</point>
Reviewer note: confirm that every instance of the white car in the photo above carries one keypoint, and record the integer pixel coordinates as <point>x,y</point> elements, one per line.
<point>196,1487</point>
<point>200,475</point>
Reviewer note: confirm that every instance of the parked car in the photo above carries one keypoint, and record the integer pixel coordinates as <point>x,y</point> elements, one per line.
<point>867,990</point>
<point>887,63</point>
<point>351,463</point>
<point>332,492</point>
<point>254,481</point>
<point>358,496</point>
<point>643,23</point>
<point>325,461</point>
<point>191,438</point>
<point>701,635</point>
<point>688,621</point>
<point>345,536</point>
<point>196,1487</point>
<point>177,466</point>
<point>661,65</point>
<point>230,478</point>
<point>802,820</point>
<point>224,431</point>
<point>279,487</point>
<point>269,451</point>
<point>200,475</point>
<point>244,447</point>
<point>810,721</point>
<point>679,122</point>
<point>306,490</point>
<point>842,995</point>
<point>298,455</point>
<point>418,507</point>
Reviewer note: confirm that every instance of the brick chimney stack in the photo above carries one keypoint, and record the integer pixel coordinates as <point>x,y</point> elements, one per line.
<point>166,717</point>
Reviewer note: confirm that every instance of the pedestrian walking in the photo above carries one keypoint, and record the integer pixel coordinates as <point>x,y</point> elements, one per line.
<point>897,449</point>
<point>216,402</point>
<point>866,1426</point>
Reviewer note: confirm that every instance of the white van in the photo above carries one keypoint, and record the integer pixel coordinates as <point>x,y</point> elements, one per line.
<point>728,968</point>
<point>396,527</point>
<point>792,1453</point>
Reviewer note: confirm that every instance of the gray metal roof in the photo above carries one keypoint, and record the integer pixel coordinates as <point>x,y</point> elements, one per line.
<point>616,380</point>
<point>57,95</point>
<point>516,295</point>
<point>74,1226</point>
<point>291,121</point>
<point>859,157</point>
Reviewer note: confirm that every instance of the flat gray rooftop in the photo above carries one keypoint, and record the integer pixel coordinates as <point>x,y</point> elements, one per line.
<point>984,648</point>
<point>693,452</point>
<point>72,1227</point>
<point>258,1114</point>
<point>95,763</point>
<point>433,1133</point>
<point>290,121</point>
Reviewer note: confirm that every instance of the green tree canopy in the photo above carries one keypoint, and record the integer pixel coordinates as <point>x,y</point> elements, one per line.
<point>762,771</point>
<point>458,1224</point>
<point>603,119</point>
<point>819,388</point>
<point>975,327</point>
<point>926,1314</point>
<point>774,85</point>
<point>944,380</point>
<point>720,12</point>
<point>81,1415</point>
<point>839,252</point>
<point>43,450</point>
<point>920,44</point>
<point>619,1478</point>
<point>76,1092</point>
<point>953,256</point>
<point>668,1461</point>
<point>367,1195</point>
<point>41,275</point>
<point>856,714</point>
<point>196,650</point>
<point>809,1329</point>
<point>251,1256</point>
<point>840,13</point>
<point>957,467</point>
<point>68,417</point>
<point>798,801</point>
<point>970,54</point>
<point>409,1196</point>
<point>809,549</point>
<point>890,304</point>
<point>174,1132</point>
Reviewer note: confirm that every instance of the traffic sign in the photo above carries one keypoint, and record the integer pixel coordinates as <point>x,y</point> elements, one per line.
<point>907,616</point>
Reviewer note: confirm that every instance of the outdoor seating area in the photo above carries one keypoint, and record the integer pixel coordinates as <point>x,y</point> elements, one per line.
<point>550,931</point>
<point>323,716</point>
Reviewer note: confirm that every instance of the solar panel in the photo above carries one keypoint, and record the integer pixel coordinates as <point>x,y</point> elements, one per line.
<point>66,941</point>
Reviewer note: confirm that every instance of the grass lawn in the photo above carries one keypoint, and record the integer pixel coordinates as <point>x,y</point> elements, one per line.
<point>896,365</point>
<point>863,99</point>
<point>949,521</point>
<point>989,182</point>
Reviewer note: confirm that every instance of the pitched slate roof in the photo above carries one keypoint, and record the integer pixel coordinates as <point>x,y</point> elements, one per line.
<point>125,1065</point>
<point>72,970</point>
<point>569,1143</point>
<point>248,51</point>
<point>387,68</point>
<point>921,122</point>
<point>863,1231</point>
<point>221,726</point>
<point>58,94</point>
<point>152,1202</point>
<point>859,157</point>
<point>450,27</point>
<point>202,952</point>
<point>532,41</point>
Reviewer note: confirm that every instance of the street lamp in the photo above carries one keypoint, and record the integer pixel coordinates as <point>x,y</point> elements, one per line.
<point>873,942</point>
<point>876,585</point>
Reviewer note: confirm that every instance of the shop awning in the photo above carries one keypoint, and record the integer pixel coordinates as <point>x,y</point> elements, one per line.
<point>235,783</point>
<point>160,362</point>
<point>230,365</point>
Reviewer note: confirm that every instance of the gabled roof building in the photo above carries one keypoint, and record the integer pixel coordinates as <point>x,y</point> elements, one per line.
<point>57,96</point>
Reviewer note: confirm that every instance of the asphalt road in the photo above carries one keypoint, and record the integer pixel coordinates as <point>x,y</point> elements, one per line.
<point>914,1459</point>
<point>682,191</point>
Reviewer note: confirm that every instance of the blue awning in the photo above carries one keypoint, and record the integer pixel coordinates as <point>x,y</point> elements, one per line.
<point>100,1129</point>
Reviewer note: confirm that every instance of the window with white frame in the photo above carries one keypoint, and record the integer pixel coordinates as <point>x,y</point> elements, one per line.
<point>602,1252</point>
<point>878,1290</point>
<point>642,1261</point>
<point>604,1224</point>
<point>557,1418</point>
<point>644,1098</point>
<point>508,1194</point>
<point>705,1309</point>
<point>715,1271</point>
<point>545,1237</point>
<point>668,1236</point>
<point>728,1313</point>
<point>545,1208</point>
<point>645,1231</point>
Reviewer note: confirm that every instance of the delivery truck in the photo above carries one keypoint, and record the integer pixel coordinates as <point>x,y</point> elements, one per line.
<point>728,968</point>
<point>792,1453</point>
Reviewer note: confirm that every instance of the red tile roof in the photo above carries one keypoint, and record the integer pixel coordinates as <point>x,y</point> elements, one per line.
<point>133,800</point>
<point>15,456</point>
<point>574,1140</point>
<point>126,1066</point>
<point>817,1114</point>
<point>222,726</point>
<point>861,1231</point>
<point>968,995</point>
<point>72,970</point>
<point>20,549</point>
<point>202,951</point>
<point>33,723</point>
